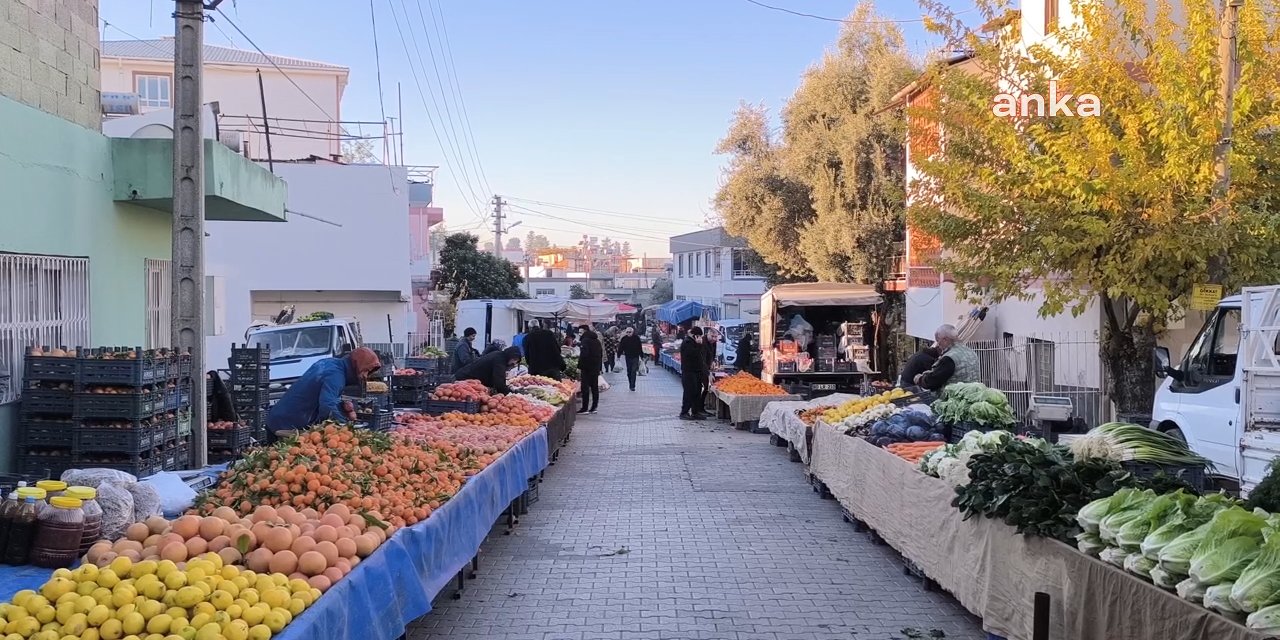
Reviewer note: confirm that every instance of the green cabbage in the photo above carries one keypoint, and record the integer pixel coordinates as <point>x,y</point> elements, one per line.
<point>1191,591</point>
<point>1163,579</point>
<point>1089,544</point>
<point>1165,508</point>
<point>1139,565</point>
<point>1175,557</point>
<point>1157,540</point>
<point>1091,513</point>
<point>1218,598</point>
<point>1259,584</point>
<point>1123,512</point>
<point>1265,621</point>
<point>995,397</point>
<point>1229,546</point>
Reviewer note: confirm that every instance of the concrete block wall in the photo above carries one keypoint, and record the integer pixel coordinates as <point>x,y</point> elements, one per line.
<point>49,57</point>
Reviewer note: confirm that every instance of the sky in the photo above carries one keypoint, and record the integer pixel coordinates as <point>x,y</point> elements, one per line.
<point>583,106</point>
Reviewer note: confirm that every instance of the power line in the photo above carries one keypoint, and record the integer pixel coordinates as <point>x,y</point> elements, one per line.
<point>277,67</point>
<point>619,214</point>
<point>377,59</point>
<point>841,20</point>
<point>106,24</point>
<point>442,26</point>
<point>417,81</point>
<point>536,212</point>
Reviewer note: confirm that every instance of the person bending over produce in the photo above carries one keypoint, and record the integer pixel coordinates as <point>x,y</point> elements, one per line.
<point>693,371</point>
<point>317,395</point>
<point>920,362</point>
<point>491,369</point>
<point>958,363</point>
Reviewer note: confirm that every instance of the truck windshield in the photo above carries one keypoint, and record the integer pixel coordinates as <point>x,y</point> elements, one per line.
<point>301,342</point>
<point>1214,352</point>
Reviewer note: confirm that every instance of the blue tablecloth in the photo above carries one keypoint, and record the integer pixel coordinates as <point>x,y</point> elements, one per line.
<point>669,362</point>
<point>396,585</point>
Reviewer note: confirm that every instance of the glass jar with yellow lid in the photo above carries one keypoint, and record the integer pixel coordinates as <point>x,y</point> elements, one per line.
<point>61,526</point>
<point>53,488</point>
<point>92,515</point>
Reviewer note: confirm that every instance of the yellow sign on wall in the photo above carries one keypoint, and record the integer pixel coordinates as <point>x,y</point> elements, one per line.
<point>1204,297</point>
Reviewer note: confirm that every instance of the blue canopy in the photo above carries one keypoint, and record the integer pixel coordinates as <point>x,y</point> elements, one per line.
<point>677,311</point>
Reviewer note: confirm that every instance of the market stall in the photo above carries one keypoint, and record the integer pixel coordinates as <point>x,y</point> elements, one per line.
<point>991,569</point>
<point>783,420</point>
<point>742,397</point>
<point>820,335</point>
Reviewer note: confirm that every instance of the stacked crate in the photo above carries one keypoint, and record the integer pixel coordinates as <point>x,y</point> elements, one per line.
<point>250,397</point>
<point>177,416</point>
<point>45,416</point>
<point>126,410</point>
<point>826,360</point>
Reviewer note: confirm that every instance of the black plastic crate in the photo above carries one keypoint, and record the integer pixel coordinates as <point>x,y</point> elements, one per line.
<point>168,430</point>
<point>51,368</point>
<point>126,406</point>
<point>178,457</point>
<point>37,432</point>
<point>245,355</point>
<point>440,407</point>
<point>250,376</point>
<point>380,421</point>
<point>48,401</point>
<point>252,396</point>
<point>230,439</point>
<point>141,369</point>
<point>183,423</point>
<point>224,456</point>
<point>427,364</point>
<point>45,463</point>
<point>178,397</point>
<point>99,437</point>
<point>180,367</point>
<point>140,466</point>
<point>252,413</point>
<point>414,398</point>
<point>1191,474</point>
<point>418,381</point>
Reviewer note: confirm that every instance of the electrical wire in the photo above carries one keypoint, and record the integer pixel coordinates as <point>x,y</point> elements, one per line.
<point>536,212</point>
<point>619,214</point>
<point>417,81</point>
<point>841,20</point>
<point>377,59</point>
<point>440,140</point>
<point>106,24</point>
<point>273,63</point>
<point>443,28</point>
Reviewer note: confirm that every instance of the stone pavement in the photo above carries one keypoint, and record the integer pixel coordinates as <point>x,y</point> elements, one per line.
<point>649,527</point>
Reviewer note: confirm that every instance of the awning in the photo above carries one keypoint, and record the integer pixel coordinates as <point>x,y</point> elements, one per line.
<point>563,308</point>
<point>823,294</point>
<point>677,311</point>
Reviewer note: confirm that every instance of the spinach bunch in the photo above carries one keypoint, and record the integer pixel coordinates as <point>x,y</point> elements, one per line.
<point>1037,487</point>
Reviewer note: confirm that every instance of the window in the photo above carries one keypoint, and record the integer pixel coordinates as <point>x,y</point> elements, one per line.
<point>550,293</point>
<point>680,273</point>
<point>698,259</point>
<point>158,287</point>
<point>1211,360</point>
<point>715,263</point>
<point>154,91</point>
<point>44,300</point>
<point>1050,16</point>
<point>741,265</point>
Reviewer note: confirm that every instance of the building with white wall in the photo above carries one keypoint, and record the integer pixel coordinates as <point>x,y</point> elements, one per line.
<point>303,119</point>
<point>710,267</point>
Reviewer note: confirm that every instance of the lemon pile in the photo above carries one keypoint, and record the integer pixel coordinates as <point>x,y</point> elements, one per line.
<point>837,414</point>
<point>149,600</point>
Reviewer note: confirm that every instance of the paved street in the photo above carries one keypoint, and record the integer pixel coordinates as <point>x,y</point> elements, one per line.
<point>650,527</point>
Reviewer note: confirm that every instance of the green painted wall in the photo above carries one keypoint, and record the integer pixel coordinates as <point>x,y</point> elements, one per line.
<point>57,185</point>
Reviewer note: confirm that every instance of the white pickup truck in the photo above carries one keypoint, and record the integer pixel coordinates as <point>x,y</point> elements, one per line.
<point>295,347</point>
<point>1224,396</point>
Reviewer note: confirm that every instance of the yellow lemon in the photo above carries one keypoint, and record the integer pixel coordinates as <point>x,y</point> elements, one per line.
<point>236,630</point>
<point>150,609</point>
<point>275,597</point>
<point>62,573</point>
<point>230,572</point>
<point>196,574</point>
<point>250,596</point>
<point>177,613</point>
<point>221,599</point>
<point>46,614</point>
<point>296,606</point>
<point>263,582</point>
<point>253,615</point>
<point>63,612</point>
<point>85,603</point>
<point>102,595</point>
<point>155,636</point>
<point>204,588</point>
<point>160,623</point>
<point>108,578</point>
<point>230,587</point>
<point>36,603</point>
<point>144,568</point>
<point>170,598</point>
<point>134,623</point>
<point>259,632</point>
<point>27,627</point>
<point>209,631</point>
<point>46,634</point>
<point>123,594</point>
<point>175,580</point>
<point>76,625</point>
<point>288,617</point>
<point>153,589</point>
<point>279,579</point>
<point>20,598</point>
<point>85,572</point>
<point>179,623</point>
<point>98,615</point>
<point>54,589</point>
<point>122,565</point>
<point>111,630</point>
<point>187,633</point>
<point>241,581</point>
<point>204,607</point>
<point>91,633</point>
<point>124,611</point>
<point>235,611</point>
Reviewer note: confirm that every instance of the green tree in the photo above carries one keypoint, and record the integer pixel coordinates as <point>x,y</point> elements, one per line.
<point>474,274</point>
<point>578,292</point>
<point>825,197</point>
<point>662,292</point>
<point>535,241</point>
<point>1118,210</point>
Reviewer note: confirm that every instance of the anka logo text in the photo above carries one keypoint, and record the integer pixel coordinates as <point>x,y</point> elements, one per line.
<point>1034,105</point>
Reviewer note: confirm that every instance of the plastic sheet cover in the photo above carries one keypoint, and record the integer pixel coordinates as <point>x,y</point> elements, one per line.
<point>395,586</point>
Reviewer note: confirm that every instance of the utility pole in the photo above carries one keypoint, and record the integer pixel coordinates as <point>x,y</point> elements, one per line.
<point>1229,70</point>
<point>498,203</point>
<point>187,302</point>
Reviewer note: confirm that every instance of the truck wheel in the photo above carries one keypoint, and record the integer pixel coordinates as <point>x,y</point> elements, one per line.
<point>1174,432</point>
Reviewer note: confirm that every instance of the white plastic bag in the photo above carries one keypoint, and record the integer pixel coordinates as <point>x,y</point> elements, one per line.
<point>175,496</point>
<point>801,331</point>
<point>117,509</point>
<point>146,500</point>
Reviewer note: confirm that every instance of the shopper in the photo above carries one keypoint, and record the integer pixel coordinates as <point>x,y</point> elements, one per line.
<point>656,338</point>
<point>491,369</point>
<point>710,345</point>
<point>610,348</point>
<point>744,354</point>
<point>590,360</point>
<point>465,352</point>
<point>693,371</point>
<point>629,347</point>
<point>542,353</point>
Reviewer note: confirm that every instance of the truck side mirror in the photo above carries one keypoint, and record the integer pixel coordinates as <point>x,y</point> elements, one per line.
<point>1163,364</point>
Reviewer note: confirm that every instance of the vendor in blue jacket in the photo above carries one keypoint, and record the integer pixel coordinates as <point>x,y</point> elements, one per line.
<point>317,395</point>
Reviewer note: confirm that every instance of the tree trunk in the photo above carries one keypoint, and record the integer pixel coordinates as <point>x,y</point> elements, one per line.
<point>1126,356</point>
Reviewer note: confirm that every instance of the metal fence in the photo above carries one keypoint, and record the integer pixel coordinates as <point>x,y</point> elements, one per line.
<point>1063,364</point>
<point>44,301</point>
<point>159,288</point>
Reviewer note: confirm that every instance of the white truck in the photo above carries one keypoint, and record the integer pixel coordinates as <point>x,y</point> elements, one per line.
<point>295,347</point>
<point>1224,396</point>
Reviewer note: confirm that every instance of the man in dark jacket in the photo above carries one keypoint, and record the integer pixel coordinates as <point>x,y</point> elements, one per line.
<point>491,369</point>
<point>920,362</point>
<point>656,339</point>
<point>629,348</point>
<point>710,349</point>
<point>590,360</point>
<point>693,370</point>
<point>465,352</point>
<point>542,354</point>
<point>745,354</point>
<point>317,395</point>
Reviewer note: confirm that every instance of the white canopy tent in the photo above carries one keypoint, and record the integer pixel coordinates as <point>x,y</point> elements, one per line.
<point>566,309</point>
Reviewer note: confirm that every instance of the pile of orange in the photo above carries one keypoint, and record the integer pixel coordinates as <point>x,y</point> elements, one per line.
<point>745,384</point>
<point>476,439</point>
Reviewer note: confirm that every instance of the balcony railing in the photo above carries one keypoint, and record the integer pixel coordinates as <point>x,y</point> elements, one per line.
<point>923,277</point>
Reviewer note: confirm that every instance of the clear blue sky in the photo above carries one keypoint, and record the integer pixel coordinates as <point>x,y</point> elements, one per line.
<point>610,105</point>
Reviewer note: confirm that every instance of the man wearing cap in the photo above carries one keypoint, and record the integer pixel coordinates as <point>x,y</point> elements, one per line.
<point>958,363</point>
<point>465,352</point>
<point>317,395</point>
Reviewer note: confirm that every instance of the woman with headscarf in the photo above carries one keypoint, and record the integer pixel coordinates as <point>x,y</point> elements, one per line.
<point>610,348</point>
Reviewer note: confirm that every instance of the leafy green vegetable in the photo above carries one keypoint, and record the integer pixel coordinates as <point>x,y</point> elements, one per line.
<point>1175,557</point>
<point>1191,590</point>
<point>1259,584</point>
<point>1266,495</point>
<point>1265,621</point>
<point>1230,544</point>
<point>1162,509</point>
<point>1218,598</point>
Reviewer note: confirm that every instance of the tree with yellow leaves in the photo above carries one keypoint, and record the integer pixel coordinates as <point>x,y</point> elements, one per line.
<point>1117,209</point>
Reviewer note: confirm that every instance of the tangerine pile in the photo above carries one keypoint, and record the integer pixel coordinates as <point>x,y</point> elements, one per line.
<point>745,384</point>
<point>477,438</point>
<point>462,390</point>
<point>334,464</point>
<point>516,404</point>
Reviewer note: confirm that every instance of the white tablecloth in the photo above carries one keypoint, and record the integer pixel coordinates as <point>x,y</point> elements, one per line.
<point>781,420</point>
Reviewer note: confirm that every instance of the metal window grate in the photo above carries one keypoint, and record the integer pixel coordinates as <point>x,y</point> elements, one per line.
<point>44,300</point>
<point>159,288</point>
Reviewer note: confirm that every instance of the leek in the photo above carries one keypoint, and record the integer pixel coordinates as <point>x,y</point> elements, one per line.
<point>1124,442</point>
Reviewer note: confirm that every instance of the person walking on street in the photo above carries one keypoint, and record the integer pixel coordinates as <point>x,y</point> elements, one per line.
<point>610,348</point>
<point>630,349</point>
<point>693,371</point>
<point>465,352</point>
<point>710,345</point>
<point>590,360</point>
<point>656,339</point>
